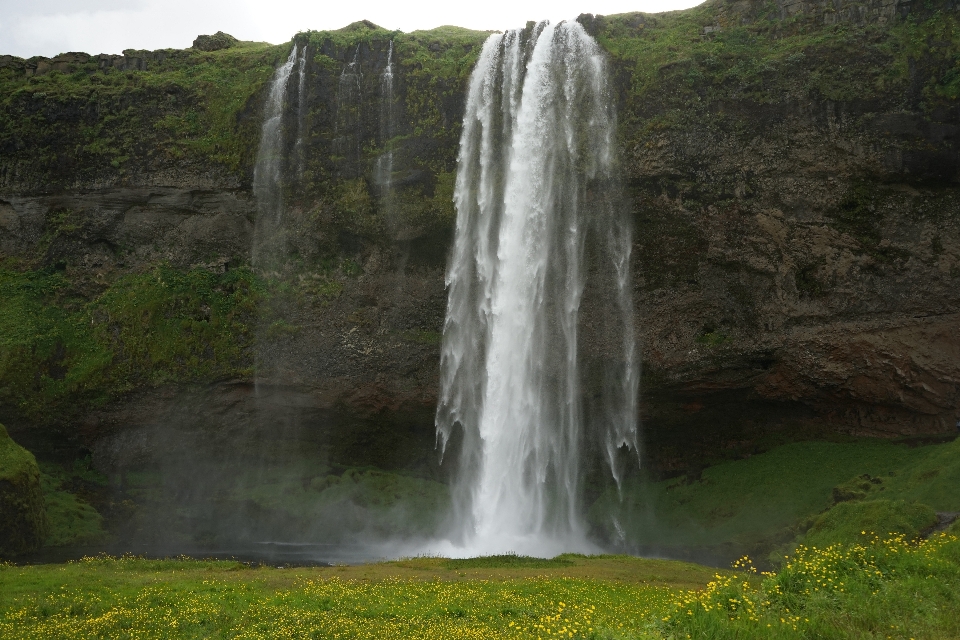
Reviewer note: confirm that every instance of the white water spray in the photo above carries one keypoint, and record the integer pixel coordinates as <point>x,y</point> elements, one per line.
<point>535,188</point>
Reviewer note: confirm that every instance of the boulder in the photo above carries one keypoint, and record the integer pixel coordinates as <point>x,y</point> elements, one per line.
<point>217,41</point>
<point>23,522</point>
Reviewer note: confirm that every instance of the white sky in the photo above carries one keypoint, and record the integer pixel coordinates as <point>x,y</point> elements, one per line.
<point>48,27</point>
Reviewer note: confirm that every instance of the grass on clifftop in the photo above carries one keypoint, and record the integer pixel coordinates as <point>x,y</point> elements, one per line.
<point>183,109</point>
<point>767,59</point>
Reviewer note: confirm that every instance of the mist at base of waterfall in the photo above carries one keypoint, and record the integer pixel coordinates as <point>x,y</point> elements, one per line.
<point>533,545</point>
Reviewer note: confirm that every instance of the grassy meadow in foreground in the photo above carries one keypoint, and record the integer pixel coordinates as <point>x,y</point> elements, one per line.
<point>416,598</point>
<point>871,588</point>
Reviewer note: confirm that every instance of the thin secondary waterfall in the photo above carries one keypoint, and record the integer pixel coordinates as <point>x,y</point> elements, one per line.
<point>384,167</point>
<point>349,98</point>
<point>537,223</point>
<point>301,109</point>
<point>267,173</point>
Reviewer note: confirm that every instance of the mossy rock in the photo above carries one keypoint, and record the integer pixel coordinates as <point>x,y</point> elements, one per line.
<point>853,521</point>
<point>23,522</point>
<point>216,42</point>
<point>857,489</point>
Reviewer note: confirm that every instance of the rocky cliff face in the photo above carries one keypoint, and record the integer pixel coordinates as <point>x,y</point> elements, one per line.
<point>792,169</point>
<point>797,234</point>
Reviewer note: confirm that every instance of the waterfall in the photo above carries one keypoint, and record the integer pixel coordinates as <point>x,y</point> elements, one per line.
<point>301,109</point>
<point>349,122</point>
<point>268,170</point>
<point>384,167</point>
<point>538,224</point>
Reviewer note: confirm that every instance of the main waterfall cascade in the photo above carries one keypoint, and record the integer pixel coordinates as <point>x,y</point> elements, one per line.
<point>538,370</point>
<point>538,226</point>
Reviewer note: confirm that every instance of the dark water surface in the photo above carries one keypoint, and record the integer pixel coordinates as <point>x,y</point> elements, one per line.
<point>286,554</point>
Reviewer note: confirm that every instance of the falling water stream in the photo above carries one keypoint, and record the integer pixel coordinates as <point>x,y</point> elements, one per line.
<point>384,167</point>
<point>541,243</point>
<point>301,109</point>
<point>535,185</point>
<point>268,170</point>
<point>349,105</point>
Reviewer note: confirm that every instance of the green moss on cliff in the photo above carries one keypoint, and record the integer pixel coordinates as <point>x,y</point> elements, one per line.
<point>703,54</point>
<point>71,520</point>
<point>437,66</point>
<point>23,523</point>
<point>61,350</point>
<point>14,459</point>
<point>96,125</point>
<point>705,68</point>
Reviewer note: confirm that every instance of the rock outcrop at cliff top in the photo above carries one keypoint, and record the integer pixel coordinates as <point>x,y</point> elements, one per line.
<point>216,42</point>
<point>792,169</point>
<point>23,521</point>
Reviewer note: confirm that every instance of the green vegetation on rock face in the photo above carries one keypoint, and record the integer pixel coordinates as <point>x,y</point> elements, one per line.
<point>71,519</point>
<point>63,348</point>
<point>336,195</point>
<point>437,64</point>
<point>36,507</point>
<point>714,99</point>
<point>23,523</point>
<point>764,59</point>
<point>96,126</point>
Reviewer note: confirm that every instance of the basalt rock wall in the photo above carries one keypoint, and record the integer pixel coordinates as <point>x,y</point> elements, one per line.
<point>798,242</point>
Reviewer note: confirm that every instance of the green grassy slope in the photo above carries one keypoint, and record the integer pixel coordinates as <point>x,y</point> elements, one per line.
<point>770,498</point>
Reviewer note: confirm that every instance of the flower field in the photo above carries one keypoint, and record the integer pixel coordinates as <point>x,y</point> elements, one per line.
<point>334,608</point>
<point>874,588</point>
